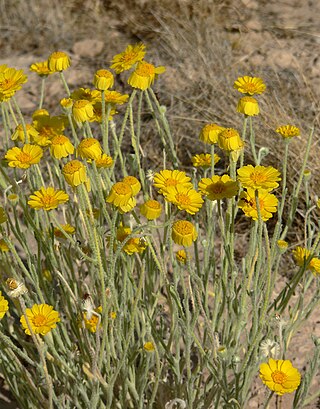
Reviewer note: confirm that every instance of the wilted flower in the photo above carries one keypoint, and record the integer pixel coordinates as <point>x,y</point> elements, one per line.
<point>248,106</point>
<point>103,79</point>
<point>184,233</point>
<point>288,131</point>
<point>209,133</point>
<point>58,61</point>
<point>151,209</point>
<point>144,75</point>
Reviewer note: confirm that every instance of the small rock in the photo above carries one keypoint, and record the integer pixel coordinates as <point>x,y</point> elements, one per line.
<point>88,48</point>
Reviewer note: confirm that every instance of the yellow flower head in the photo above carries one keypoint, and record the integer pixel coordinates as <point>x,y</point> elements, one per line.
<point>11,81</point>
<point>167,178</point>
<point>89,148</point>
<point>132,54</point>
<point>151,209</point>
<point>82,110</point>
<point>66,103</point>
<point>61,147</point>
<point>144,75</point>
<point>41,68</point>
<point>203,160</point>
<point>282,245</point>
<point>97,113</point>
<point>314,266</point>
<point>3,246</point>
<point>20,135</point>
<point>120,194</point>
<point>185,198</point>
<point>133,183</point>
<point>66,228</point>
<point>25,157</point>
<point>218,187</point>
<point>300,255</point>
<point>248,106</point>
<point>4,305</point>
<point>209,133</point>
<point>148,346</point>
<point>181,256</point>
<point>259,177</point>
<point>103,79</point>
<point>280,376</point>
<point>58,61</point>
<point>249,85</point>
<point>91,95</point>
<point>288,131</point>
<point>267,203</point>
<point>104,161</point>
<point>47,198</point>
<point>229,140</point>
<point>114,97</point>
<point>92,323</point>
<point>184,233</point>
<point>47,126</point>
<point>42,318</point>
<point>128,207</point>
<point>134,244</point>
<point>74,173</point>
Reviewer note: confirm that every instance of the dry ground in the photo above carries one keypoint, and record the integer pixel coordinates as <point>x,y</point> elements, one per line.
<point>205,45</point>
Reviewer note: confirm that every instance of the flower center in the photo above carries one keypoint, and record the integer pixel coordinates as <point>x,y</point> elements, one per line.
<point>145,70</point>
<point>216,188</point>
<point>47,200</point>
<point>258,177</point>
<point>229,133</point>
<point>7,83</point>
<point>183,199</point>
<point>153,204</point>
<point>58,54</point>
<point>24,157</point>
<point>250,87</point>
<point>279,377</point>
<point>72,167</point>
<point>39,320</point>
<point>59,140</point>
<point>129,56</point>
<point>122,188</point>
<point>104,74</point>
<point>183,227</point>
<point>87,143</point>
<point>171,182</point>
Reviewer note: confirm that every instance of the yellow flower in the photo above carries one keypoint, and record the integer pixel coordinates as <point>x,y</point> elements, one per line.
<point>66,103</point>
<point>11,81</point>
<point>134,244</point>
<point>47,198</point>
<point>209,133</point>
<point>89,148</point>
<point>97,113</point>
<point>144,75</point>
<point>166,178</point>
<point>185,198</point>
<point>61,147</point>
<point>314,266</point>
<point>19,133</point>
<point>3,215</point>
<point>248,106</point>
<point>41,68</point>
<point>4,306</point>
<point>67,228</point>
<point>229,140</point>
<point>42,318</point>
<point>267,202</point>
<point>128,207</point>
<point>103,79</point>
<point>148,346</point>
<point>91,95</point>
<point>133,183</point>
<point>300,255</point>
<point>132,54</point>
<point>74,173</point>
<point>25,157</point>
<point>151,209</point>
<point>259,177</point>
<point>203,160</point>
<point>250,85</point>
<point>120,194</point>
<point>181,256</point>
<point>218,187</point>
<point>114,97</point>
<point>184,233</point>
<point>280,376</point>
<point>282,245</point>
<point>288,131</point>
<point>58,61</point>
<point>47,126</point>
<point>92,323</point>
<point>3,246</point>
<point>82,110</point>
<point>104,161</point>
